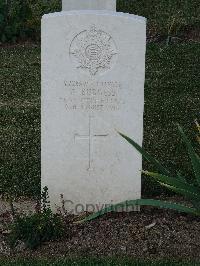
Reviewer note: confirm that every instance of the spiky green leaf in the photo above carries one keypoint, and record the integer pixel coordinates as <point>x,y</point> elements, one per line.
<point>193,156</point>
<point>146,155</point>
<point>187,190</point>
<point>181,178</point>
<point>143,202</point>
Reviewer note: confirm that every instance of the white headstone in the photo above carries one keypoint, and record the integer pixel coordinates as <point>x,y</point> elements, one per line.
<point>93,69</point>
<point>68,5</point>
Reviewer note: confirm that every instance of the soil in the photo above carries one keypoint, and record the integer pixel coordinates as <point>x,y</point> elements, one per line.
<point>149,234</point>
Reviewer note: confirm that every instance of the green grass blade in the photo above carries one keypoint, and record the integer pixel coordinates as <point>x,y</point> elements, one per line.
<point>184,193</point>
<point>193,156</point>
<point>143,202</point>
<point>146,155</point>
<point>176,185</point>
<point>181,178</point>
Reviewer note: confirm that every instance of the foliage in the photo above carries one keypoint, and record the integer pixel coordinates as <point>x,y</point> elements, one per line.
<point>167,99</point>
<point>45,200</point>
<point>38,9</point>
<point>3,18</point>
<point>20,19</point>
<point>37,228</point>
<point>13,18</point>
<point>178,184</point>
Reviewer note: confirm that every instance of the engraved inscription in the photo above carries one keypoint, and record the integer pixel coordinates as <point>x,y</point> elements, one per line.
<point>90,138</point>
<point>93,50</point>
<point>92,96</point>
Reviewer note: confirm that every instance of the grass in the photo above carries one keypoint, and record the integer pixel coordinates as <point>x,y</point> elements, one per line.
<point>171,95</point>
<point>20,120</point>
<point>91,262</point>
<point>163,14</point>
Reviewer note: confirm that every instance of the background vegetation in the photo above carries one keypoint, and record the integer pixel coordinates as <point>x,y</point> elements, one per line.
<point>20,19</point>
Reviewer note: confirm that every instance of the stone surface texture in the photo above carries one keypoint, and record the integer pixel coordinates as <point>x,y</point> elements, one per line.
<point>93,69</point>
<point>68,5</point>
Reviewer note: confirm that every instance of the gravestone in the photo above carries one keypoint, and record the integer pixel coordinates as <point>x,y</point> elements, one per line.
<point>68,5</point>
<point>93,69</point>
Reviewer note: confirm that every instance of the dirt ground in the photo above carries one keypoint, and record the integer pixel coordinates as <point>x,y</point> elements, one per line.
<point>149,234</point>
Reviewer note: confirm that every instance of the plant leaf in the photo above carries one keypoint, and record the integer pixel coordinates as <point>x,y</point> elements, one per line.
<point>181,178</point>
<point>146,155</point>
<point>143,202</point>
<point>193,156</point>
<point>176,185</point>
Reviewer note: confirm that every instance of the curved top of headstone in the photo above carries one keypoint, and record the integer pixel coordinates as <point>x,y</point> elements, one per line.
<point>68,5</point>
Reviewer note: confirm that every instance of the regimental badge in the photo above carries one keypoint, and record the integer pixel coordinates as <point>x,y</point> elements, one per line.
<point>93,50</point>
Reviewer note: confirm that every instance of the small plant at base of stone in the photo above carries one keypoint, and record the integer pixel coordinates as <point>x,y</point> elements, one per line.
<point>38,228</point>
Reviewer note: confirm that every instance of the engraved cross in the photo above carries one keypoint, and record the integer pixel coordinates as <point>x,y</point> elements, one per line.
<point>90,137</point>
